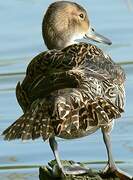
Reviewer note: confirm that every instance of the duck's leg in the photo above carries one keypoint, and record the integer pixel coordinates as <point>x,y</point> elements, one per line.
<point>73,169</point>
<point>54,147</point>
<point>111,167</point>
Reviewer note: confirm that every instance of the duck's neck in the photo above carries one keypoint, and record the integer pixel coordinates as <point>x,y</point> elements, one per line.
<point>56,40</point>
<point>75,39</point>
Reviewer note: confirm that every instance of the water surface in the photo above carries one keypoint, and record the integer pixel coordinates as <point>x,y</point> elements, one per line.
<point>20,41</point>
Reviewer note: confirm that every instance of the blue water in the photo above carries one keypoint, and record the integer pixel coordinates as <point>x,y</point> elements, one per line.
<point>20,41</point>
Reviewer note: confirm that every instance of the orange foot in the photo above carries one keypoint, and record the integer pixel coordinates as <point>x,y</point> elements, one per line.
<point>115,172</point>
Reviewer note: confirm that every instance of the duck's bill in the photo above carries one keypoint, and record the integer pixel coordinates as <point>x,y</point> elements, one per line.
<point>92,35</point>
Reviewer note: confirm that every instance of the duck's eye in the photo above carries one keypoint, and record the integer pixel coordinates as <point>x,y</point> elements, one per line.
<point>81,16</point>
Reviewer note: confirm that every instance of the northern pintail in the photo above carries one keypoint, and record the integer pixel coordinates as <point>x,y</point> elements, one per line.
<point>71,90</point>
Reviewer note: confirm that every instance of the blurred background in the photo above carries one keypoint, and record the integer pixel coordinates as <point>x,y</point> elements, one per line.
<point>20,41</point>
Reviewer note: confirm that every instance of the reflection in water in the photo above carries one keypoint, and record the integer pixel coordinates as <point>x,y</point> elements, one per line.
<point>21,40</point>
<point>8,159</point>
<point>20,175</point>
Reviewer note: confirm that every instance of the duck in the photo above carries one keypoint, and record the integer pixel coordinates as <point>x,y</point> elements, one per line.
<point>72,89</point>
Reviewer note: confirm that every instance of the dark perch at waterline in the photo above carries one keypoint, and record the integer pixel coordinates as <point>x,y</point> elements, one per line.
<point>45,173</point>
<point>71,90</point>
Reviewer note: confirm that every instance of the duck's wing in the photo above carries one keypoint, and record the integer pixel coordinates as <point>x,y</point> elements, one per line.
<point>47,72</point>
<point>113,83</point>
<point>98,100</point>
<point>98,70</point>
<point>57,69</point>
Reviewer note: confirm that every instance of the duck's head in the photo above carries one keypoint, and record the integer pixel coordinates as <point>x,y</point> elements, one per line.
<point>64,22</point>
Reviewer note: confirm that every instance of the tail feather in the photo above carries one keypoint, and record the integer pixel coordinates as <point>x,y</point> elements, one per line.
<point>102,111</point>
<point>13,131</point>
<point>33,124</point>
<point>84,113</point>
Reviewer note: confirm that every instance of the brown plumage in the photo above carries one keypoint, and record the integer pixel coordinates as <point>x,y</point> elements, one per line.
<point>71,90</point>
<point>68,92</point>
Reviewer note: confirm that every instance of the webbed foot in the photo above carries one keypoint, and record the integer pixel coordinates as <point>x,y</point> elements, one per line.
<point>73,169</point>
<point>114,171</point>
